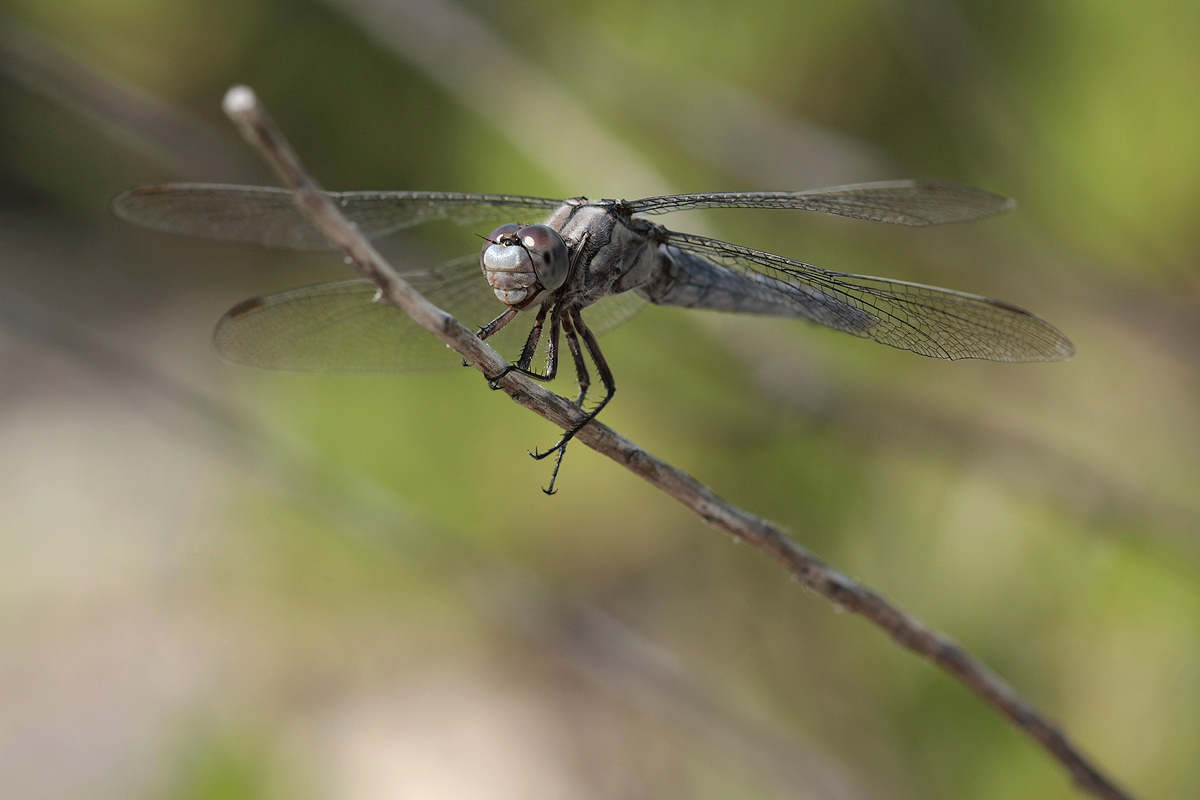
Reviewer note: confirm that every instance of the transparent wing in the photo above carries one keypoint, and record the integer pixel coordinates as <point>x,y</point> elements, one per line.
<point>612,311</point>
<point>268,216</point>
<point>914,203</point>
<point>934,322</point>
<point>338,327</point>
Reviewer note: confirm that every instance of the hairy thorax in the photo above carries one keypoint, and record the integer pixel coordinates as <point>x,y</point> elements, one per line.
<point>619,251</point>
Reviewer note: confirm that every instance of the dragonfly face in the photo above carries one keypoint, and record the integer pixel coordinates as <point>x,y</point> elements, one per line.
<point>524,264</point>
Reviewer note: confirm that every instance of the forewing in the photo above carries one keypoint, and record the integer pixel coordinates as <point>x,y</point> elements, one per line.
<point>338,327</point>
<point>268,216</point>
<point>924,319</point>
<point>914,203</point>
<point>612,311</point>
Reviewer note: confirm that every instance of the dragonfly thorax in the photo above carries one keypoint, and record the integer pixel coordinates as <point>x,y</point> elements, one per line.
<point>522,264</point>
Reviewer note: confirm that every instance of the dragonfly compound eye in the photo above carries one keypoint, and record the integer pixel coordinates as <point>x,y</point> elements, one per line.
<point>548,252</point>
<point>505,234</point>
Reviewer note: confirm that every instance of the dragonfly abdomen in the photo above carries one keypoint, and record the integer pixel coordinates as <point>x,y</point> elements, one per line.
<point>690,281</point>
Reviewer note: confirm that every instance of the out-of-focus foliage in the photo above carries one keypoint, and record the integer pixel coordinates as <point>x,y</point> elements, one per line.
<point>182,615</point>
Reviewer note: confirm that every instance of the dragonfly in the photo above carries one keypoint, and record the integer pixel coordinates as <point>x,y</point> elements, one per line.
<point>601,256</point>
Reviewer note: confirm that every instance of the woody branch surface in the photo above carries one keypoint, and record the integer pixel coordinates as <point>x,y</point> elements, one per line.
<point>255,124</point>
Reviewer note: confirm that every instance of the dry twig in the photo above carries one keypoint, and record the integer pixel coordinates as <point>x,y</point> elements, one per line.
<point>243,108</point>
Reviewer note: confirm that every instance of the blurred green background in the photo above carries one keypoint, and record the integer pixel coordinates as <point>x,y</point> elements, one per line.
<point>217,583</point>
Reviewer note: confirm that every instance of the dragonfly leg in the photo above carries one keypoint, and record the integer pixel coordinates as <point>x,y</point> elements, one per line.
<point>523,363</point>
<point>531,342</point>
<point>551,348</point>
<point>581,374</point>
<point>487,330</point>
<point>581,370</point>
<point>606,377</point>
<point>530,349</point>
<point>499,322</point>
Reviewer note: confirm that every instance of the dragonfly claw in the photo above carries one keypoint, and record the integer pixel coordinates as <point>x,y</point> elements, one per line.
<point>492,382</point>
<point>538,455</point>
<point>561,447</point>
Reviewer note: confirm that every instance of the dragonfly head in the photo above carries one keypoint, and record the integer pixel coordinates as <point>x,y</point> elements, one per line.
<point>522,263</point>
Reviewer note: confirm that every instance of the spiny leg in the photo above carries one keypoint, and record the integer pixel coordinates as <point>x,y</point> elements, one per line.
<point>522,365</point>
<point>581,373</point>
<point>531,342</point>
<point>487,330</point>
<point>499,322</point>
<point>551,350</point>
<point>530,349</point>
<point>606,377</point>
<point>581,370</point>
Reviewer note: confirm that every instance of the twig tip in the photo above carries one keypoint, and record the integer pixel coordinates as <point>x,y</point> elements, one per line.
<point>239,99</point>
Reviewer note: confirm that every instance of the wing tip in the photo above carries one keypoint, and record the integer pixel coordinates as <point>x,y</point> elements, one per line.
<point>1052,344</point>
<point>122,203</point>
<point>1064,349</point>
<point>245,307</point>
<point>984,204</point>
<point>225,337</point>
<point>125,204</point>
